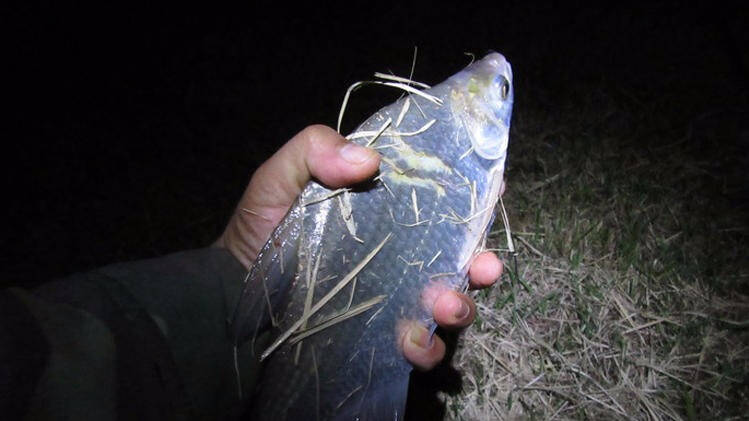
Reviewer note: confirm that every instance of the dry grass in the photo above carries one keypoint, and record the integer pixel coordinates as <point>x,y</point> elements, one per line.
<point>630,298</point>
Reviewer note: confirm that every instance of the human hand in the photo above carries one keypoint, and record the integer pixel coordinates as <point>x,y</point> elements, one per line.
<point>321,153</point>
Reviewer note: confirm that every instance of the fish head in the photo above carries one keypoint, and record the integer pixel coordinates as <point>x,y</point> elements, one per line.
<point>482,97</point>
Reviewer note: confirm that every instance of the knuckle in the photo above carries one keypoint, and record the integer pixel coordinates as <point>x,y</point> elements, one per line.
<point>316,134</point>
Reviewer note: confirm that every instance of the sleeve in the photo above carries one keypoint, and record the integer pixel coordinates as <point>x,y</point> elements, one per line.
<point>141,340</point>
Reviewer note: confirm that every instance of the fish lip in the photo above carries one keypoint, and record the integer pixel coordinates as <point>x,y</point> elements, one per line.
<point>499,60</point>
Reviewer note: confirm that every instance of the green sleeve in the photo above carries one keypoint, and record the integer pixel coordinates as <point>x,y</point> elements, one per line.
<point>139,340</point>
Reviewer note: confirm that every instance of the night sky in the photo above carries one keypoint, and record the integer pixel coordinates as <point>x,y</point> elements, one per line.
<point>133,130</point>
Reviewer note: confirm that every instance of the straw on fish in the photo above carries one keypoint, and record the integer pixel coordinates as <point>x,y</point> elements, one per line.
<point>333,292</point>
<point>333,320</point>
<point>397,85</point>
<point>368,133</point>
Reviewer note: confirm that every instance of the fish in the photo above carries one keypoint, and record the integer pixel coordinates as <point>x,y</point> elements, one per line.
<point>346,269</point>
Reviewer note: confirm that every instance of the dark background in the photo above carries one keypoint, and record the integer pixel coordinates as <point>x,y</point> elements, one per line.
<point>133,130</point>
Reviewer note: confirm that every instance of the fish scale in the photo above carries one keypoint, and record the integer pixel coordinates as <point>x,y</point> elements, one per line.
<point>434,197</point>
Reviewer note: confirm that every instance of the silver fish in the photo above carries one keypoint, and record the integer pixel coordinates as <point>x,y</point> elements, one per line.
<point>346,269</point>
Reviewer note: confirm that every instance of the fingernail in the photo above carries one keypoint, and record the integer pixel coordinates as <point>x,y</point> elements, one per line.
<point>419,336</point>
<point>462,311</point>
<point>355,154</point>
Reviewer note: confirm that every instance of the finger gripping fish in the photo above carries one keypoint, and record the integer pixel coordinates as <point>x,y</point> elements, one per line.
<point>346,270</point>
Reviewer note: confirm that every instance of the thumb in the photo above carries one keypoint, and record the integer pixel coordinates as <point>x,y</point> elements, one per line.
<point>316,152</point>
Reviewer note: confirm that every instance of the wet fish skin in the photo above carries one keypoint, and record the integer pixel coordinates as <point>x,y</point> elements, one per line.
<point>430,210</point>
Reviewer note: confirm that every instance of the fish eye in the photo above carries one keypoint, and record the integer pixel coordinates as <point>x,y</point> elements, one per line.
<point>504,86</point>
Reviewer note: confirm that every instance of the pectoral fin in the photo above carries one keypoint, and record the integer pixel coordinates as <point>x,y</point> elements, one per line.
<point>269,280</point>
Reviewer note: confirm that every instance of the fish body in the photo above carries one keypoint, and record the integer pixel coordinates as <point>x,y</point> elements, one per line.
<point>349,268</point>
